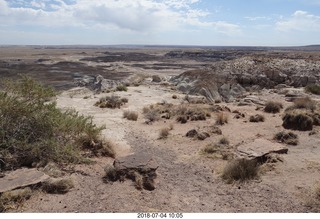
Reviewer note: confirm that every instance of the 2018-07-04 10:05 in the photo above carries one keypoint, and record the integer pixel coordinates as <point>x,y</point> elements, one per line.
<point>159,215</point>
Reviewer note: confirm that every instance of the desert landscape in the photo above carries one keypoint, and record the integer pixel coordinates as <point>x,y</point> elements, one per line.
<point>183,129</point>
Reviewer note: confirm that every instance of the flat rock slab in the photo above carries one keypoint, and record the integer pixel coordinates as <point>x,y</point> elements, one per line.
<point>135,161</point>
<point>261,147</point>
<point>21,178</point>
<point>140,168</point>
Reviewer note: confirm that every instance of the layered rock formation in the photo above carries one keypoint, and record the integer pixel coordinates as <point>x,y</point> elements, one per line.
<point>227,79</point>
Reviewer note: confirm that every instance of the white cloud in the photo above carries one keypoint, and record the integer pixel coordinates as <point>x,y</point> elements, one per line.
<point>258,18</point>
<point>133,15</point>
<point>300,21</point>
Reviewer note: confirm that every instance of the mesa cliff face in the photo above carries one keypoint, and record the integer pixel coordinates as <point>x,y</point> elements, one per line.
<point>227,80</point>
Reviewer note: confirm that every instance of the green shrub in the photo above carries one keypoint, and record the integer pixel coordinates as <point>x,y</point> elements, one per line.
<point>313,88</point>
<point>34,131</point>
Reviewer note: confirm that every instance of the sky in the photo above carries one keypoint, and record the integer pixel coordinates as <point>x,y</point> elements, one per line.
<point>160,22</point>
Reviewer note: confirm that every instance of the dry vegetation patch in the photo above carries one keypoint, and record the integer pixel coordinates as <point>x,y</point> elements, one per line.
<point>273,107</point>
<point>130,115</point>
<point>112,102</point>
<point>57,186</point>
<point>287,138</point>
<point>240,170</point>
<point>221,118</point>
<point>14,199</point>
<point>257,118</point>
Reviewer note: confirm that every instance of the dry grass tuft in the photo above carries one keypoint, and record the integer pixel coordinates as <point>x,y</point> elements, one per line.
<point>57,186</point>
<point>221,118</point>
<point>287,138</point>
<point>257,118</point>
<point>14,199</point>
<point>240,170</point>
<point>304,103</point>
<point>130,115</point>
<point>273,107</point>
<point>152,115</point>
<point>164,133</point>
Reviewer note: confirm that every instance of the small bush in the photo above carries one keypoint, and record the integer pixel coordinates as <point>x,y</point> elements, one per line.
<point>222,118</point>
<point>34,131</point>
<point>224,141</point>
<point>296,120</point>
<point>313,88</point>
<point>304,103</point>
<point>240,170</point>
<point>57,186</point>
<point>174,96</point>
<point>121,87</point>
<point>273,107</point>
<point>130,115</point>
<point>257,118</point>
<point>13,199</point>
<point>211,149</point>
<point>287,138</point>
<point>152,115</point>
<point>164,133</point>
<point>124,100</point>
<point>112,102</point>
<point>182,119</point>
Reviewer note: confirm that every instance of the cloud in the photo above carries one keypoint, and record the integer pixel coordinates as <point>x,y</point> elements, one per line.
<point>300,21</point>
<point>132,15</point>
<point>258,18</point>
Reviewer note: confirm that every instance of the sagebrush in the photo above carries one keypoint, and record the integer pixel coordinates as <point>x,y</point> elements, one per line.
<point>34,131</point>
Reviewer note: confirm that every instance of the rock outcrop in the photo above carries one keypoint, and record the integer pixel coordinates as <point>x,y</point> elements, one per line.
<point>226,80</point>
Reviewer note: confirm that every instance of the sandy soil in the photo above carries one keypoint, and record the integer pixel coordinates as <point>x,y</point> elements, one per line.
<point>187,181</point>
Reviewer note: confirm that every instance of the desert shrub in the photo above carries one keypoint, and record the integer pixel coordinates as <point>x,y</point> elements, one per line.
<point>152,116</point>
<point>257,118</point>
<point>121,87</point>
<point>221,118</point>
<point>273,107</point>
<point>57,186</point>
<point>124,100</point>
<point>240,170</point>
<point>112,102</point>
<point>34,131</point>
<point>297,120</point>
<point>164,133</point>
<point>130,115</point>
<point>13,199</point>
<point>287,138</point>
<point>224,141</point>
<point>216,130</point>
<point>211,148</point>
<point>313,88</point>
<point>174,96</point>
<point>182,119</point>
<point>304,103</point>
